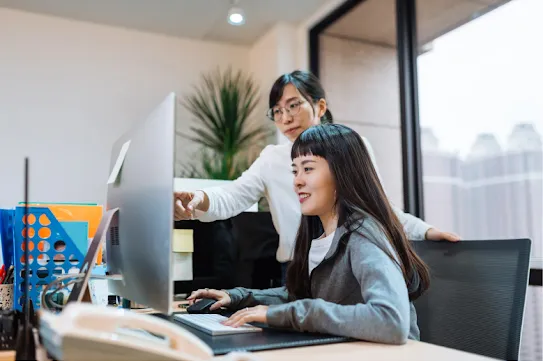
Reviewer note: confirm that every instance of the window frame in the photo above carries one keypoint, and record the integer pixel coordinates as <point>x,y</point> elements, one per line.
<point>406,32</point>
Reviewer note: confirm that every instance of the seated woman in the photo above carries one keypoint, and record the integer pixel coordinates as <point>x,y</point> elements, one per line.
<point>353,272</point>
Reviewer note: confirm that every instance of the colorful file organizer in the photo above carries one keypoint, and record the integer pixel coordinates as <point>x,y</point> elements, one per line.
<point>51,252</point>
<point>76,218</point>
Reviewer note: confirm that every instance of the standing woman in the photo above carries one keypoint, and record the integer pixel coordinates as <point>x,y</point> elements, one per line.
<point>297,101</point>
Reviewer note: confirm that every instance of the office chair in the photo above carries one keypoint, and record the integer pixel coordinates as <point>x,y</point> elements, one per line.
<point>257,242</point>
<point>214,256</point>
<point>475,302</point>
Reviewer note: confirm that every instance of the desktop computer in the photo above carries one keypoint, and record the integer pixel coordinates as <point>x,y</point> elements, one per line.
<point>137,227</point>
<point>138,230</point>
<point>139,244</point>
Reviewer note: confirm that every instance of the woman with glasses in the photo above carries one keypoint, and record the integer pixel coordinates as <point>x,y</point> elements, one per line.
<point>297,101</point>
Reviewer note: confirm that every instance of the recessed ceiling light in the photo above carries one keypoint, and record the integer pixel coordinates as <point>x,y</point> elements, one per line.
<point>236,16</point>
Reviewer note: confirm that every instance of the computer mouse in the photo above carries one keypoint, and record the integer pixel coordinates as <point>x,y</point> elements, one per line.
<point>201,306</point>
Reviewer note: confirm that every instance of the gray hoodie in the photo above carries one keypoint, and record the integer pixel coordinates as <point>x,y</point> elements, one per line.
<point>357,291</point>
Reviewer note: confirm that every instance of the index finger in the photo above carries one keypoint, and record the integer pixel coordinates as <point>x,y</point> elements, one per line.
<point>205,294</point>
<point>196,294</point>
<point>187,196</point>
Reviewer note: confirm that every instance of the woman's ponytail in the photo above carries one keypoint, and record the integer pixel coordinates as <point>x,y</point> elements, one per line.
<point>327,117</point>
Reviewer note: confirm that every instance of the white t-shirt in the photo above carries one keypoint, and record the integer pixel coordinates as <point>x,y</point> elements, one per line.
<point>319,249</point>
<point>271,176</point>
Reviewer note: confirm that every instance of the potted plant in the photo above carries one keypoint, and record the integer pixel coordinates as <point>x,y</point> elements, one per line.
<point>223,104</point>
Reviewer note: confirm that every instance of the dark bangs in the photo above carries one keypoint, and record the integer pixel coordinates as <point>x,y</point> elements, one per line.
<point>313,141</point>
<point>277,89</point>
<point>307,84</point>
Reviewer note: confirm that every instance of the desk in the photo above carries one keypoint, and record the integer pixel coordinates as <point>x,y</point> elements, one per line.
<point>412,350</point>
<point>7,355</point>
<point>357,351</point>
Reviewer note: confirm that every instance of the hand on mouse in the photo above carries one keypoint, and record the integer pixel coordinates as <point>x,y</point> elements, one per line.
<point>223,299</point>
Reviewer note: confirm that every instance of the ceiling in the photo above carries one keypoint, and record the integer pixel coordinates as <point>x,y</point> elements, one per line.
<point>373,21</point>
<point>197,19</point>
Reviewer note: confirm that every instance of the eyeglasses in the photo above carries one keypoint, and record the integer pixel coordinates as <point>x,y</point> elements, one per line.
<point>276,113</point>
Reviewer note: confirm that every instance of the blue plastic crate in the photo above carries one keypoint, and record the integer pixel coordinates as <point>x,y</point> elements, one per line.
<point>51,252</point>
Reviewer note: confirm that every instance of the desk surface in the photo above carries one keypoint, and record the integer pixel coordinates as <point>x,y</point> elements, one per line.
<point>412,350</point>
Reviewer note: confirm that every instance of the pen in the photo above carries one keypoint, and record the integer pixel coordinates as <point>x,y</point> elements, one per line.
<point>9,276</point>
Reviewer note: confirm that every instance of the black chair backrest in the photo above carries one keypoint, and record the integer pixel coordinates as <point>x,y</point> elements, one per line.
<point>255,235</point>
<point>214,256</point>
<point>257,241</point>
<point>475,302</point>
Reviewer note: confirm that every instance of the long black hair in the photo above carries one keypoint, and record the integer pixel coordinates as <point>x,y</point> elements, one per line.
<point>359,194</point>
<point>307,84</point>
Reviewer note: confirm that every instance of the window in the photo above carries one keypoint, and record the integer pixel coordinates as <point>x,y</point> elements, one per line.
<point>481,117</point>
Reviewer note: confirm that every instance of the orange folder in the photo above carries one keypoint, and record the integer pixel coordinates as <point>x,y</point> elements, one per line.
<point>91,213</point>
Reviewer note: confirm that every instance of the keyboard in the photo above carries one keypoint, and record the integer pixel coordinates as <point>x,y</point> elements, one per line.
<point>211,324</point>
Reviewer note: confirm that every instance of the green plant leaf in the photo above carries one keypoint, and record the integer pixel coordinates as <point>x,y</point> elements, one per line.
<point>221,104</point>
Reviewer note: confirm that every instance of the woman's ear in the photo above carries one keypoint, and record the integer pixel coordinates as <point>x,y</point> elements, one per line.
<point>321,107</point>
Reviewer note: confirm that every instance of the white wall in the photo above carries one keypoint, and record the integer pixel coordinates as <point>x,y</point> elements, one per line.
<point>282,49</point>
<point>272,55</point>
<point>68,89</point>
<point>302,31</point>
<point>361,81</point>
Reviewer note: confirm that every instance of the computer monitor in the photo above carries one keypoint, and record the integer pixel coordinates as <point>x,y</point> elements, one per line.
<point>139,243</point>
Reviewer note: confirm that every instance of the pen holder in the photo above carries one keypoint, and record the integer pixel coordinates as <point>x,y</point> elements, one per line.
<point>6,296</point>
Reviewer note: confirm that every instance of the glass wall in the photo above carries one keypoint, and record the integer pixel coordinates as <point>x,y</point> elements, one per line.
<point>481,117</point>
